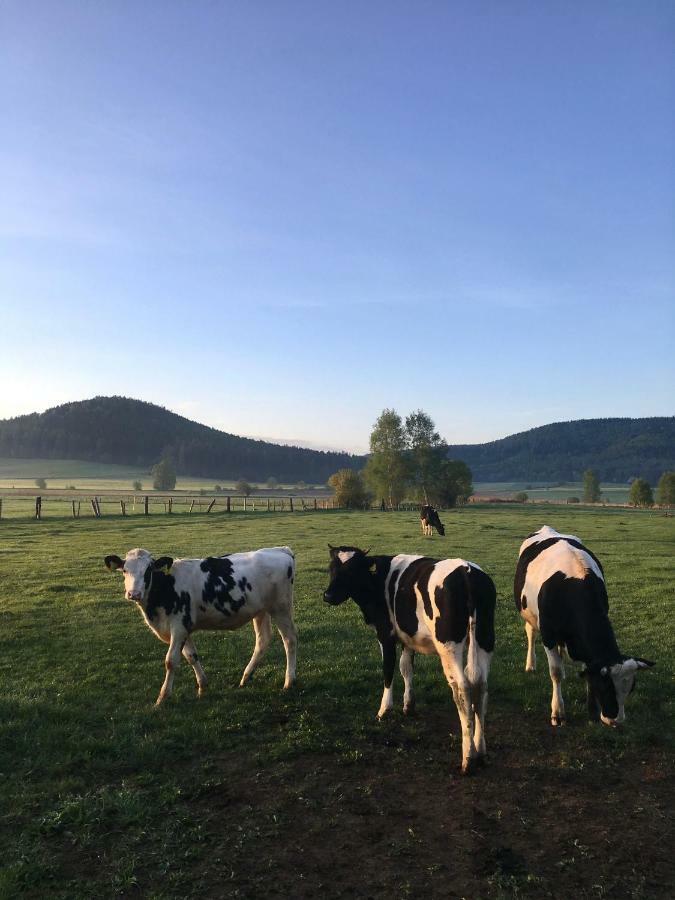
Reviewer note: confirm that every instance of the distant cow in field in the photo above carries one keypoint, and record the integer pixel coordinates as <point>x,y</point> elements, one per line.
<point>178,597</point>
<point>429,606</point>
<point>429,520</point>
<point>560,591</point>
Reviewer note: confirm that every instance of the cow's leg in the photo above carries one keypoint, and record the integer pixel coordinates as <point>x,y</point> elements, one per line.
<point>289,635</point>
<point>171,663</point>
<point>531,661</point>
<point>406,665</point>
<point>479,693</point>
<point>262,625</point>
<point>388,647</point>
<point>557,671</point>
<point>593,705</point>
<point>451,658</point>
<point>190,654</point>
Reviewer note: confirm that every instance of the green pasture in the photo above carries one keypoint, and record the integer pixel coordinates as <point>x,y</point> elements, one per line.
<point>60,474</point>
<point>102,795</point>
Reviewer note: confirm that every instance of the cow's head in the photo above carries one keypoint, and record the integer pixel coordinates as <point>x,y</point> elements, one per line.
<point>350,573</point>
<point>138,567</point>
<point>611,684</point>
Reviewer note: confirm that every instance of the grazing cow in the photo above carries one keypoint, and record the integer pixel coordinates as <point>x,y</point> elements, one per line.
<point>560,591</point>
<point>429,520</point>
<point>180,596</point>
<point>429,606</point>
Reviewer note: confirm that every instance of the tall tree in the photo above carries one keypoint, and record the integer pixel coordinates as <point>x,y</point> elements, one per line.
<point>386,470</point>
<point>350,491</point>
<point>455,484</point>
<point>666,489</point>
<point>591,486</point>
<point>164,475</point>
<point>641,493</point>
<point>426,452</point>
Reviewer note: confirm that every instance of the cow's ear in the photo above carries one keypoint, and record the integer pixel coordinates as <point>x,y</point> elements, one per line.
<point>333,550</point>
<point>163,564</point>
<point>583,673</point>
<point>113,563</point>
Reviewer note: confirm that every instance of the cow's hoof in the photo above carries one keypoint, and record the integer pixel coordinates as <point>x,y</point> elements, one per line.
<point>557,721</point>
<point>383,714</point>
<point>469,766</point>
<point>530,669</point>
<point>409,708</point>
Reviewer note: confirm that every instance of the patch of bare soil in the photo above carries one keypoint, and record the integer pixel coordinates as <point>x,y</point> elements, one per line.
<point>400,821</point>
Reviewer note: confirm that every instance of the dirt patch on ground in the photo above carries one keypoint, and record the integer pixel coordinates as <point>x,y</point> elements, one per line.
<point>393,822</point>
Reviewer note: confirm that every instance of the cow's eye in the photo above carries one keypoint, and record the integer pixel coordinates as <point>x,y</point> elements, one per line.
<point>125,571</point>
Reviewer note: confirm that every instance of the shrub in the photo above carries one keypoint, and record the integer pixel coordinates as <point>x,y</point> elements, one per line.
<point>641,493</point>
<point>520,497</point>
<point>573,500</point>
<point>41,483</point>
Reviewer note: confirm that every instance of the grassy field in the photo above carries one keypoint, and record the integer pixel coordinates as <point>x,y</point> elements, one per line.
<point>254,793</point>
<point>60,474</point>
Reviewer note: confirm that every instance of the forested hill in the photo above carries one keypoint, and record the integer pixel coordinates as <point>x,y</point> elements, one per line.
<point>618,449</point>
<point>135,433</point>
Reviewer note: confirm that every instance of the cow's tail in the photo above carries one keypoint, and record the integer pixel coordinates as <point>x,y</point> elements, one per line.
<point>472,669</point>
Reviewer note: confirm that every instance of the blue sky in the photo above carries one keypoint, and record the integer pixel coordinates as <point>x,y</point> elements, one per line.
<point>280,217</point>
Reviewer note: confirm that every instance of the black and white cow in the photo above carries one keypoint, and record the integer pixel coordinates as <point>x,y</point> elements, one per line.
<point>429,606</point>
<point>429,520</point>
<point>178,597</point>
<point>560,591</point>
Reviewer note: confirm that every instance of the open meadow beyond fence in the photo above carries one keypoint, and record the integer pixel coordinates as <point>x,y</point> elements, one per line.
<point>257,793</point>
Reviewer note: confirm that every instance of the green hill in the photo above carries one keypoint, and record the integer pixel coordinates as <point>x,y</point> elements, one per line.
<point>134,433</point>
<point>618,449</point>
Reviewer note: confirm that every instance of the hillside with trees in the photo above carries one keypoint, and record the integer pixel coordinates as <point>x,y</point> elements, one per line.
<point>132,432</point>
<point>135,433</point>
<point>616,449</point>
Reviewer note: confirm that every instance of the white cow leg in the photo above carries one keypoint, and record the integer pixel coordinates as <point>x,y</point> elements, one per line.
<point>557,671</point>
<point>171,663</point>
<point>190,654</point>
<point>451,660</point>
<point>262,626</point>
<point>289,635</point>
<point>480,698</point>
<point>406,665</point>
<point>531,661</point>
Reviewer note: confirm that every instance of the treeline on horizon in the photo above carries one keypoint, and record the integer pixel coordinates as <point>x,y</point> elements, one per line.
<point>130,432</point>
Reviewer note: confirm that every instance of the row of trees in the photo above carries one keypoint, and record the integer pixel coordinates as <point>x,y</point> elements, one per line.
<point>640,494</point>
<point>407,459</point>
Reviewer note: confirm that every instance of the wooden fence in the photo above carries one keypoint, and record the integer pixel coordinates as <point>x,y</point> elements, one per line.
<point>98,505</point>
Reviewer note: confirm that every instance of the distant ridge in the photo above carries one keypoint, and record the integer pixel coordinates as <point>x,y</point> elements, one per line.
<point>135,433</point>
<point>618,449</point>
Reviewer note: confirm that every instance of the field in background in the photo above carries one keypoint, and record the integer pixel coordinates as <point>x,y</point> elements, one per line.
<point>60,474</point>
<point>256,793</point>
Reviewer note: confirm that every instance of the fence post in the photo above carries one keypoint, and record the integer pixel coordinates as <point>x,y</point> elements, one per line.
<point>123,507</point>
<point>145,506</point>
<point>315,503</point>
<point>0,507</point>
<point>192,505</point>
<point>268,504</point>
<point>290,500</point>
<point>93,506</point>
<point>38,507</point>
<point>211,505</point>
<point>245,503</point>
<point>228,503</point>
<point>169,505</point>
